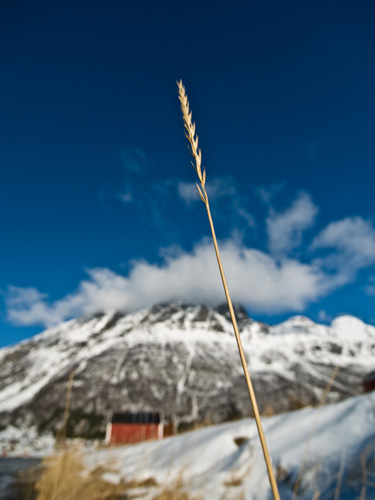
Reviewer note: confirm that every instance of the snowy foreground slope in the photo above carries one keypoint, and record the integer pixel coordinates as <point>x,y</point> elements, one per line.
<point>331,449</point>
<point>181,360</point>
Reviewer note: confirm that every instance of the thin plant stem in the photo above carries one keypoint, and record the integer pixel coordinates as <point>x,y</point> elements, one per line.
<point>340,475</point>
<point>202,193</point>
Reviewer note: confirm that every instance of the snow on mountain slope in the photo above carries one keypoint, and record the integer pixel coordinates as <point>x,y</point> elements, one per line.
<point>181,360</point>
<point>330,451</point>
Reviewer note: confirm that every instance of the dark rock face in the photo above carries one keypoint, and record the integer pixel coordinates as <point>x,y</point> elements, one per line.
<point>180,360</point>
<point>242,317</point>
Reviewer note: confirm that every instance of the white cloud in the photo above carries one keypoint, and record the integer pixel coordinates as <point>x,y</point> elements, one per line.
<point>353,242</point>
<point>255,279</point>
<point>285,229</point>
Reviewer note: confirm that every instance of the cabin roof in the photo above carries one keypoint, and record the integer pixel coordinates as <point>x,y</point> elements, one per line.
<point>370,377</point>
<point>144,417</point>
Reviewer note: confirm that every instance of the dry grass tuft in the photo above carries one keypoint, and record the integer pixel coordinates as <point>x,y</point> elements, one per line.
<point>268,411</point>
<point>65,478</point>
<point>234,481</point>
<point>240,440</point>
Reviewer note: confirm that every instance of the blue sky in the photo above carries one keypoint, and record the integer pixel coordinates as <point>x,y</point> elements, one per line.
<point>98,210</point>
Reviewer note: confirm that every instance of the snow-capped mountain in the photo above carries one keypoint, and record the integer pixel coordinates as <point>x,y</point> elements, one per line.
<point>181,360</point>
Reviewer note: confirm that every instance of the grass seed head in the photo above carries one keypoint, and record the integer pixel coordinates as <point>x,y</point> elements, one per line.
<point>192,137</point>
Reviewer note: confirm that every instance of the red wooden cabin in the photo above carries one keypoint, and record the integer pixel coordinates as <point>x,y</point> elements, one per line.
<point>126,428</point>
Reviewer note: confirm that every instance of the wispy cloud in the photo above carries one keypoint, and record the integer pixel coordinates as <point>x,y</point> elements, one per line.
<point>127,196</point>
<point>134,160</point>
<point>187,192</point>
<point>266,194</point>
<point>218,189</point>
<point>152,199</point>
<point>285,229</point>
<point>142,195</point>
<point>135,163</point>
<point>27,306</point>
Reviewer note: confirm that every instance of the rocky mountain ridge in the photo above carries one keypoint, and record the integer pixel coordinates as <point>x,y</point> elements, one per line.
<point>181,360</point>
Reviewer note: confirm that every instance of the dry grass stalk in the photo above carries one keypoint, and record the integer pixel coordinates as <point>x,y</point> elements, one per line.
<point>340,475</point>
<point>202,193</point>
<point>367,459</point>
<point>61,436</point>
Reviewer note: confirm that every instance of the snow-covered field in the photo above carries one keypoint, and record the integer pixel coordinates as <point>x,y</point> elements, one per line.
<point>331,449</point>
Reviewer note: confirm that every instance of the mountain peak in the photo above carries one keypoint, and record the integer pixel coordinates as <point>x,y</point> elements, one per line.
<point>186,315</point>
<point>295,324</point>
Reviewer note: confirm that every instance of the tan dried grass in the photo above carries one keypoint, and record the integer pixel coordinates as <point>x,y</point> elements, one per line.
<point>65,478</point>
